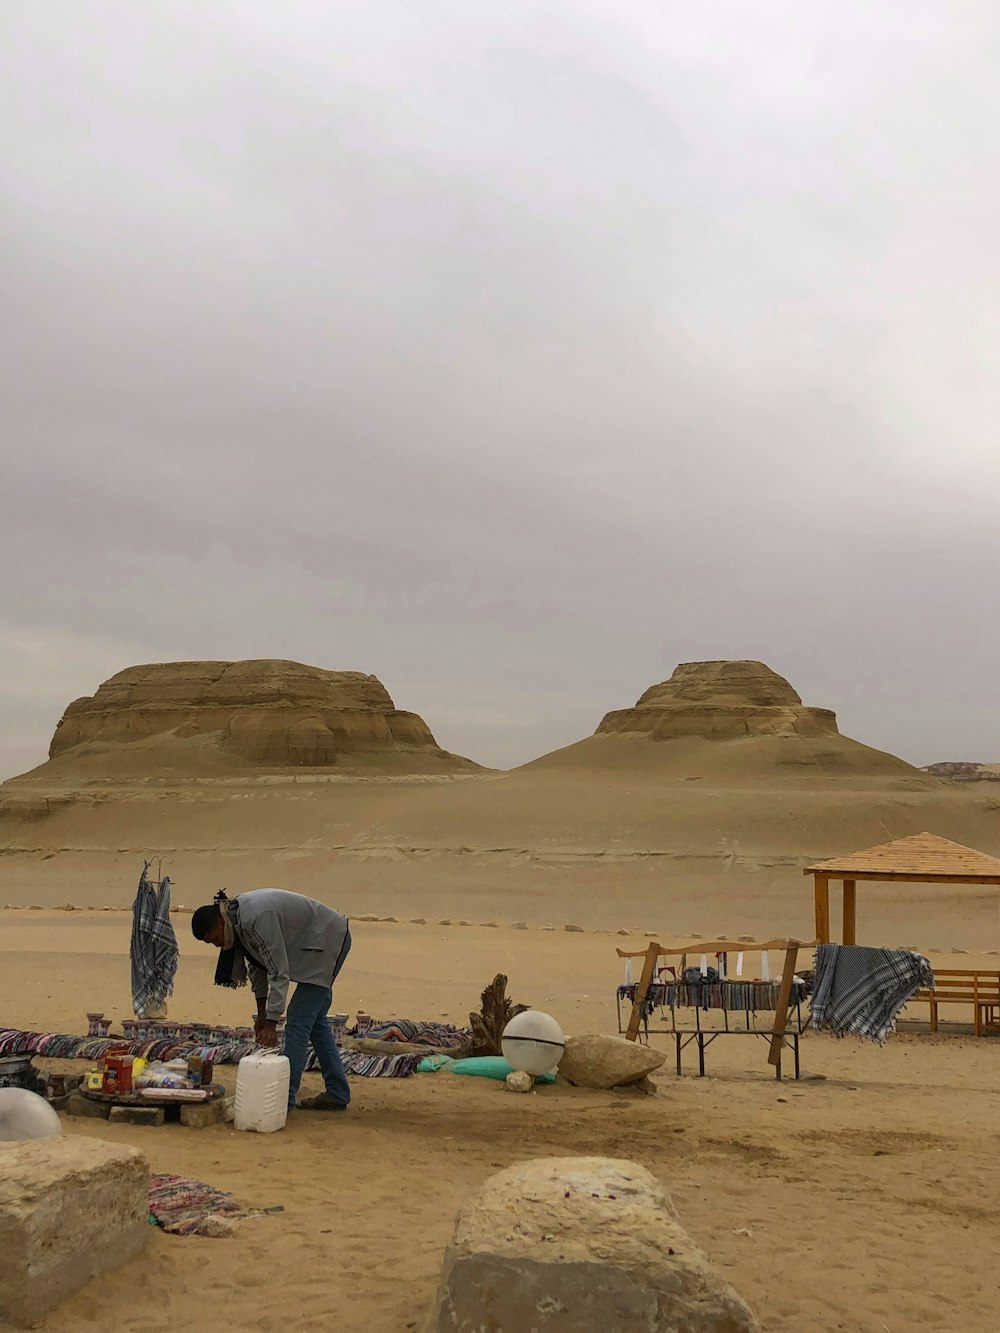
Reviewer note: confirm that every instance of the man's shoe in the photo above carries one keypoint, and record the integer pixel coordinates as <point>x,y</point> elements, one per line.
<point>322,1102</point>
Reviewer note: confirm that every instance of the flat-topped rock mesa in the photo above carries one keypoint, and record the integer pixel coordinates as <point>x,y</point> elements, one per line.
<point>265,713</point>
<point>734,722</point>
<point>721,701</point>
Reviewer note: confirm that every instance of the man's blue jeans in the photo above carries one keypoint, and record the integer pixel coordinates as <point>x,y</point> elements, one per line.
<point>305,1025</point>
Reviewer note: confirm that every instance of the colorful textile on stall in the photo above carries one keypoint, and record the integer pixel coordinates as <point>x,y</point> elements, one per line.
<point>733,996</point>
<point>60,1046</point>
<point>444,1035</point>
<point>153,949</point>
<point>861,991</point>
<point>180,1206</point>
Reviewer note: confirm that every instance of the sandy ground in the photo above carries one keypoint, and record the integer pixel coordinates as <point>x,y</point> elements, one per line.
<point>862,1198</point>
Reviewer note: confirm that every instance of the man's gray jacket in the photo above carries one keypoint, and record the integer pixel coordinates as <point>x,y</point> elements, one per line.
<point>287,937</point>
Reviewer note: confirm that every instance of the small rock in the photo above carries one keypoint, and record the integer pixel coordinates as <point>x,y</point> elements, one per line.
<point>69,908</point>
<point>746,939</point>
<point>489,925</point>
<point>624,932</point>
<point>576,930</point>
<point>518,1081</point>
<point>417,921</point>
<point>445,922</point>
<point>519,925</point>
<point>218,1227</point>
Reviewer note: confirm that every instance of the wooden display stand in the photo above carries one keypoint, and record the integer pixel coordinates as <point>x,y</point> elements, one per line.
<point>780,1034</point>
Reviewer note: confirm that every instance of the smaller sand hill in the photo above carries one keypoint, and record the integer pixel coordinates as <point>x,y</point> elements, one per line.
<point>204,719</point>
<point>731,721</point>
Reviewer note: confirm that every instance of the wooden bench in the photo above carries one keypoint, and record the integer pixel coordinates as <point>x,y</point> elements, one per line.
<point>974,988</point>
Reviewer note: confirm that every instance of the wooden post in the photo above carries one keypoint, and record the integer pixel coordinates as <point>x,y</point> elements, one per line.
<point>850,911</point>
<point>641,991</point>
<point>784,1000</point>
<point>822,909</point>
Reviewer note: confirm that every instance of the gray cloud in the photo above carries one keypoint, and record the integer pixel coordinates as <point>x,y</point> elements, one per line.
<point>513,352</point>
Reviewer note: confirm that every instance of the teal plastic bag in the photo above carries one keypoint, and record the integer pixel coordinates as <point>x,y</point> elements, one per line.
<point>490,1066</point>
<point>430,1064</point>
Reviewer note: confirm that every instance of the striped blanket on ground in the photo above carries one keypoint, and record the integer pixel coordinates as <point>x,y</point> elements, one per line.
<point>861,991</point>
<point>62,1046</point>
<point>443,1035</point>
<point>181,1206</point>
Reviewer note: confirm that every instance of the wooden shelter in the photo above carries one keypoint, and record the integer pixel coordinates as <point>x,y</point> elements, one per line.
<point>923,858</point>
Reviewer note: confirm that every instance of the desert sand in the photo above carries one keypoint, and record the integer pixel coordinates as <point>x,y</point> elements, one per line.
<point>859,1199</point>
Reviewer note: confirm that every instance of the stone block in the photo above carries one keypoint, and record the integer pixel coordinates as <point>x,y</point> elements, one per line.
<point>86,1106</point>
<point>607,1062</point>
<point>590,1244</point>
<point>199,1115</point>
<point>70,1209</point>
<point>138,1115</point>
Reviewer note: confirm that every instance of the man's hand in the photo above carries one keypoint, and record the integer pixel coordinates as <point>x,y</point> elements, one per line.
<point>267,1032</point>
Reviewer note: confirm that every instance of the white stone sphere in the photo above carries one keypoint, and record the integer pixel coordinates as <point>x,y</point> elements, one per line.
<point>533,1042</point>
<point>25,1115</point>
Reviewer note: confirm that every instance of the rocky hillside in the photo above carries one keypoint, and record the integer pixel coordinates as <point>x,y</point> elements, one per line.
<point>964,771</point>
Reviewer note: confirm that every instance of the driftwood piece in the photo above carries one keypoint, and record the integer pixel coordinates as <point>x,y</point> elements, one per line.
<point>496,1012</point>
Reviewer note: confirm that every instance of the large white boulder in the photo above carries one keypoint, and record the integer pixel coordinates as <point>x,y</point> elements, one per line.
<point>607,1062</point>
<point>588,1244</point>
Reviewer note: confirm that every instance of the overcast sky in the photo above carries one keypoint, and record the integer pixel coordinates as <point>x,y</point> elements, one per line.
<point>511,350</point>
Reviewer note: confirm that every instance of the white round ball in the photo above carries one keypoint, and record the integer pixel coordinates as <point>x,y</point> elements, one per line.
<point>533,1042</point>
<point>25,1115</point>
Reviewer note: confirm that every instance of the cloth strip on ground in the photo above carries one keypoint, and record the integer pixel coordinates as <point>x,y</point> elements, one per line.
<point>180,1205</point>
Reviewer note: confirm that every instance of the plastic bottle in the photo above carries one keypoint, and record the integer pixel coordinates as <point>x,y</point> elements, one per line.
<point>262,1092</point>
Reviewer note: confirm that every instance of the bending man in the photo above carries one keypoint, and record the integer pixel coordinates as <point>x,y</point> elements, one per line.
<point>280,937</point>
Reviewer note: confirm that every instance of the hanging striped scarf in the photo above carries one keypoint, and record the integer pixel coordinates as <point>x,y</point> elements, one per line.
<point>153,948</point>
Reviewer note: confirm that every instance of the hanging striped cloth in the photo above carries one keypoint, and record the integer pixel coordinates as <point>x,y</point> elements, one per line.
<point>153,948</point>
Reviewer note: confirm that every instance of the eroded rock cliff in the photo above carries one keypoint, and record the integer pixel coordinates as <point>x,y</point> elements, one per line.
<point>276,714</point>
<point>720,701</point>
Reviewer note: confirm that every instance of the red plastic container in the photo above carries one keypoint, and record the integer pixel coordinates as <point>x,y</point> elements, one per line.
<point>117,1074</point>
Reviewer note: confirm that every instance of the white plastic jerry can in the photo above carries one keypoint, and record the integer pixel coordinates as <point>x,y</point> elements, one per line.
<point>262,1092</point>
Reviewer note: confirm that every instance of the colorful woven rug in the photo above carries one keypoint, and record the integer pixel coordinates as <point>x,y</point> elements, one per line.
<point>62,1046</point>
<point>180,1206</point>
